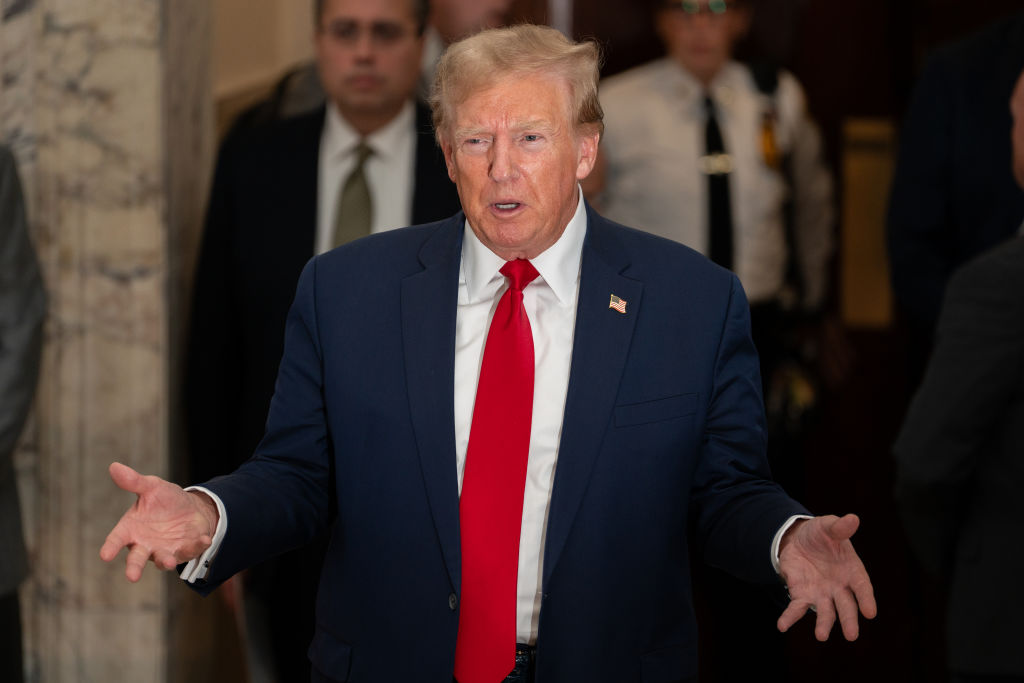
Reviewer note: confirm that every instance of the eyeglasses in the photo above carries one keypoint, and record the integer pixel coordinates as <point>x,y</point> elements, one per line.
<point>693,7</point>
<point>382,33</point>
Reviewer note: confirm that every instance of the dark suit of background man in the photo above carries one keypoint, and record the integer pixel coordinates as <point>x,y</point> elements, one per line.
<point>960,456</point>
<point>951,196</point>
<point>22,309</point>
<point>646,423</point>
<point>272,207</point>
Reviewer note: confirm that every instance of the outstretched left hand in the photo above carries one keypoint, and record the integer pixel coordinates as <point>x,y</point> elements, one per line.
<point>823,573</point>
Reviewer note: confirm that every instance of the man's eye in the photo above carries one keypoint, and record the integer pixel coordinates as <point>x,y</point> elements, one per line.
<point>531,137</point>
<point>387,33</point>
<point>343,30</point>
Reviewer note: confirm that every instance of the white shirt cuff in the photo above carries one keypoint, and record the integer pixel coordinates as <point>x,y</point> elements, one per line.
<point>200,566</point>
<point>777,541</point>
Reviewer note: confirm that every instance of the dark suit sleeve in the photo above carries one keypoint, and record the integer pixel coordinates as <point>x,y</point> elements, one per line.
<point>737,508</point>
<point>919,218</point>
<point>971,378</point>
<point>281,498</point>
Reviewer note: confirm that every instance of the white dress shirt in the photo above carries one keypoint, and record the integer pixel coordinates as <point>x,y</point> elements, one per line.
<point>389,171</point>
<point>654,140</point>
<point>550,302</point>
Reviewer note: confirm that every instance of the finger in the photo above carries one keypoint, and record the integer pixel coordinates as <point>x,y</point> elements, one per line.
<point>844,527</point>
<point>126,478</point>
<point>136,562</point>
<point>793,613</point>
<point>112,545</point>
<point>864,592</point>
<point>826,619</point>
<point>165,560</point>
<point>847,608</point>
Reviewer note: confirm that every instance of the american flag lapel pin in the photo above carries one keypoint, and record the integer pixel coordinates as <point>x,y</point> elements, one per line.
<point>618,304</point>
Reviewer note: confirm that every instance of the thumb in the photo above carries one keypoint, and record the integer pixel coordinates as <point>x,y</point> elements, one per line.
<point>126,478</point>
<point>844,527</point>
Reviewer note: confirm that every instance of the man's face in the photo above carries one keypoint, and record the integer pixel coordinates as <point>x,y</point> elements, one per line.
<point>516,155</point>
<point>456,19</point>
<point>1017,110</point>
<point>700,34</point>
<point>368,54</point>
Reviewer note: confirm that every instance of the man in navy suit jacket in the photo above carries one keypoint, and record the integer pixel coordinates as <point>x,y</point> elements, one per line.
<point>648,445</point>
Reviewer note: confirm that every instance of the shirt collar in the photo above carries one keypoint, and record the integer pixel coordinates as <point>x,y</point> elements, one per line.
<point>340,138</point>
<point>686,85</point>
<point>558,265</point>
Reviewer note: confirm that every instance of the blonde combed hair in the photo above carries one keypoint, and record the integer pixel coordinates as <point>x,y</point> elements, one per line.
<point>474,63</point>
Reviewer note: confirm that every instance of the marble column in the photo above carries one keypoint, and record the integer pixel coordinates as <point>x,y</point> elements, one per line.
<point>107,106</point>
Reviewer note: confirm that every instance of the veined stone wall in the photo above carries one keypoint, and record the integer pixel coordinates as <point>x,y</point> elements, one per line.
<point>107,106</point>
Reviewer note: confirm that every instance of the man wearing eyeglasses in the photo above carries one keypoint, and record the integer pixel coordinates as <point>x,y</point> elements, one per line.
<point>284,191</point>
<point>724,158</point>
<point>659,166</point>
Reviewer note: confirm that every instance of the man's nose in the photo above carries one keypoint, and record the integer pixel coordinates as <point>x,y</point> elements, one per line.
<point>363,48</point>
<point>703,19</point>
<point>503,160</point>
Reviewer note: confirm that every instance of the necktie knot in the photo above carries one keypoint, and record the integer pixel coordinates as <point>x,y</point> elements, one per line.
<point>519,272</point>
<point>362,152</point>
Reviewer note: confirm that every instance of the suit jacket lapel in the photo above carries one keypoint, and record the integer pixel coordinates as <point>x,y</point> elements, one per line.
<point>429,304</point>
<point>600,348</point>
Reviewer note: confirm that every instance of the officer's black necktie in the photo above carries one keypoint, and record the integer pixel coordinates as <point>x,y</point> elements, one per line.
<point>717,165</point>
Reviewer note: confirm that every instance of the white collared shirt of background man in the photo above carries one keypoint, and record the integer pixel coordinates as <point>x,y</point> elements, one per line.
<point>653,142</point>
<point>390,171</point>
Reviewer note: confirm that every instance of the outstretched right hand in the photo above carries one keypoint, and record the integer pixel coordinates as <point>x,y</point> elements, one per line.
<point>166,524</point>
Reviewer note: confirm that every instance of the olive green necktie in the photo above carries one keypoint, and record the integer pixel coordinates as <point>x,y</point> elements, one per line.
<point>355,208</point>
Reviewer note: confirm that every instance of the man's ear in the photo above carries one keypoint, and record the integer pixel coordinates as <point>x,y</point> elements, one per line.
<point>588,141</point>
<point>449,161</point>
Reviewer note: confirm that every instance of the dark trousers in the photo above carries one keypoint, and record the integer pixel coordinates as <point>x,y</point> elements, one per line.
<point>11,664</point>
<point>971,678</point>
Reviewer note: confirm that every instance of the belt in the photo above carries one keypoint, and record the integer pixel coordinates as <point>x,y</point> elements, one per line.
<point>523,671</point>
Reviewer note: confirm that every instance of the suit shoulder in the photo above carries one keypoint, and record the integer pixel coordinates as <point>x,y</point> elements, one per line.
<point>622,90</point>
<point>985,294</point>
<point>999,269</point>
<point>639,76</point>
<point>275,137</point>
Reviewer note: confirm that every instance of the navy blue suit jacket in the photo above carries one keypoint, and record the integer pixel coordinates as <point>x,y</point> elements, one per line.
<point>661,455</point>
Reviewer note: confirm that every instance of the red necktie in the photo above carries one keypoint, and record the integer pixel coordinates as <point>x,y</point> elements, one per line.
<point>491,504</point>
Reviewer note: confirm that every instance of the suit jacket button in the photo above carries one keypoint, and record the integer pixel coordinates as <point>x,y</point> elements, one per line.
<point>453,601</point>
